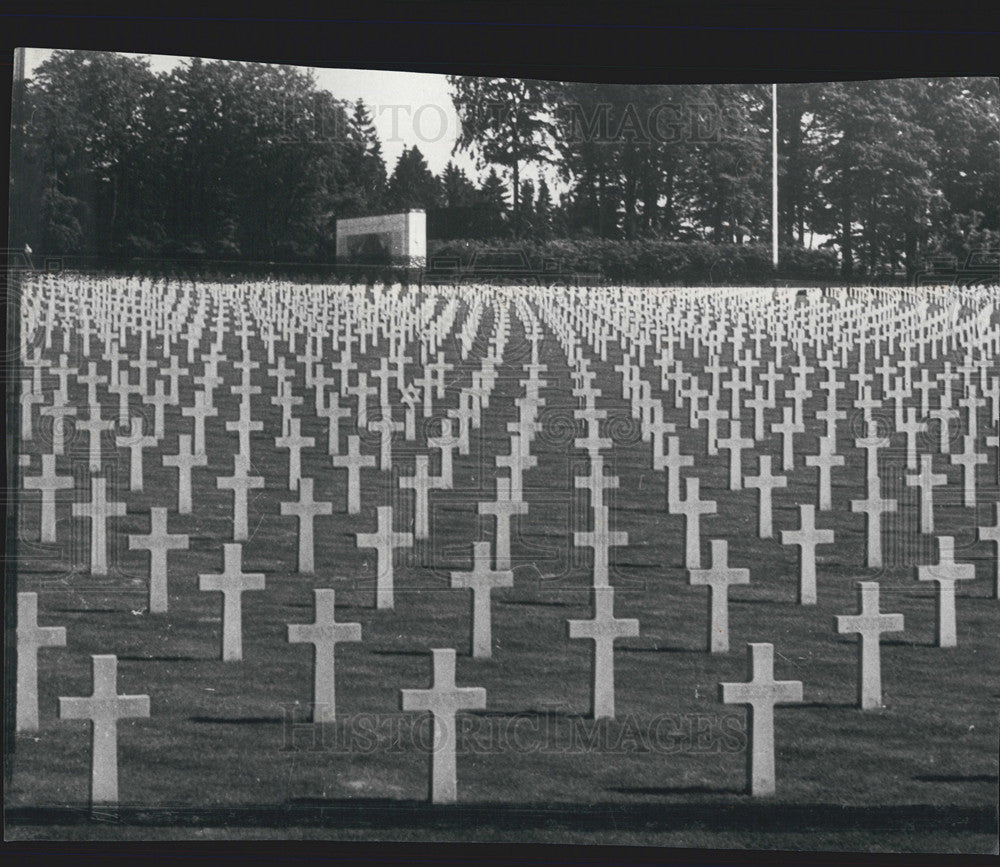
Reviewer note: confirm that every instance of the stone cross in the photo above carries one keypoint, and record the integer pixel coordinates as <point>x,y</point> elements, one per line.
<point>735,444</point>
<point>353,461</point>
<point>384,540</point>
<point>601,539</point>
<point>826,460</point>
<point>294,442</point>
<point>503,508</point>
<point>95,426</point>
<point>718,578</point>
<point>869,624</point>
<point>422,483</point>
<point>807,537</point>
<point>926,480</point>
<point>386,426</point>
<point>48,483</point>
<point>444,700</point>
<point>787,428</point>
<point>871,444</point>
<point>361,392</point>
<point>135,443</point>
<point>158,542</point>
<point>185,460</point>
<point>232,584</point>
<point>946,573</point>
<point>596,482</point>
<point>765,482</point>
<point>693,507</point>
<point>59,413</point>
<point>969,459</point>
<point>333,413</point>
<point>97,511</point>
<point>519,460</point>
<point>674,461</point>
<point>874,507</point>
<point>30,637</point>
<point>244,426</point>
<point>104,707</point>
<point>713,415</point>
<point>481,580</point>
<point>240,482</point>
<point>324,633</point>
<point>603,630</point>
<point>911,427</point>
<point>201,410</point>
<point>447,444</point>
<point>306,509</point>
<point>992,534</point>
<point>762,693</point>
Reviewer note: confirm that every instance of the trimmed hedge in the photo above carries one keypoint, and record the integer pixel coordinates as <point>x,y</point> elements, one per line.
<point>658,262</point>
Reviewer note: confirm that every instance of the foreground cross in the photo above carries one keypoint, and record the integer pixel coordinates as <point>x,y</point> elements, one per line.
<point>97,511</point>
<point>158,542</point>
<point>48,483</point>
<point>353,461</point>
<point>717,579</point>
<point>306,509</point>
<point>946,573</point>
<point>30,637</point>
<point>762,693</point>
<point>232,583</point>
<point>807,537</point>
<point>481,580</point>
<point>603,630</point>
<point>324,634</point>
<point>869,624</point>
<point>503,509</point>
<point>992,534</point>
<point>104,707</point>
<point>384,540</point>
<point>444,700</point>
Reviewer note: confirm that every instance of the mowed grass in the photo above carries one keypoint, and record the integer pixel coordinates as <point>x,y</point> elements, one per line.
<point>220,756</point>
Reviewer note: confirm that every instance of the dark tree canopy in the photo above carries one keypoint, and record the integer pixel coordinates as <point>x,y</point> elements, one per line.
<point>254,162</point>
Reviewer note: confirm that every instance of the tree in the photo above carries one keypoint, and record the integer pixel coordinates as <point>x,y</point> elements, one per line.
<point>493,198</point>
<point>874,166</point>
<point>412,184</point>
<point>87,122</point>
<point>505,121</point>
<point>363,161</point>
<point>543,210</point>
<point>456,188</point>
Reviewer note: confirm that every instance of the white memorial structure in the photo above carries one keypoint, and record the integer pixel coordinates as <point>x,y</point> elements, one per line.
<point>398,239</point>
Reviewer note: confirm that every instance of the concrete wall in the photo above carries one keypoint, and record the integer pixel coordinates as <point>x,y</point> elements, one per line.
<point>403,235</point>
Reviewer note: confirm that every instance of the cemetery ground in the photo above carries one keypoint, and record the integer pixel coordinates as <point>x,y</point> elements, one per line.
<point>229,753</point>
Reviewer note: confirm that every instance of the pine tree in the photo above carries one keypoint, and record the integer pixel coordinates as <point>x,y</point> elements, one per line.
<point>412,184</point>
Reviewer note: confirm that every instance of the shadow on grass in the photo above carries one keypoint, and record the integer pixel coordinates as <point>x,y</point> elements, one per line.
<point>741,815</point>
<point>660,649</point>
<point>165,658</point>
<point>949,778</point>
<point>540,602</point>
<point>826,705</point>
<point>530,712</point>
<point>674,790</point>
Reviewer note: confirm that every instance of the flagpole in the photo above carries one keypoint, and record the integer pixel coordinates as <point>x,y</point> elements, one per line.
<point>774,176</point>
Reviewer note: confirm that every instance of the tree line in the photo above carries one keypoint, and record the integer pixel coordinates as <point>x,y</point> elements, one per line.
<point>255,162</point>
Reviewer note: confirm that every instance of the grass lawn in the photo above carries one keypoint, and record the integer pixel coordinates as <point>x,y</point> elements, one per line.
<point>227,752</point>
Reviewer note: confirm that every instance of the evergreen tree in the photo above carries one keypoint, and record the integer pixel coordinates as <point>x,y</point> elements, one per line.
<point>412,184</point>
